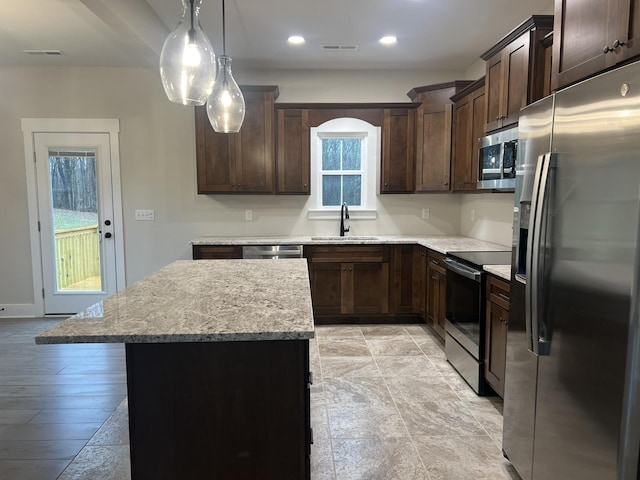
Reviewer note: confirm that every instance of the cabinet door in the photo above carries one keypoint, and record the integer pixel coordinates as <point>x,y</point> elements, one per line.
<point>583,32</point>
<point>441,307</point>
<point>238,162</point>
<point>628,29</point>
<point>326,288</point>
<point>515,83</point>
<point>493,90</point>
<point>215,153</point>
<point>433,160</point>
<point>461,151</point>
<point>496,346</point>
<point>478,114</point>
<point>368,288</point>
<point>293,151</point>
<point>436,292</point>
<point>398,151</point>
<point>420,280</point>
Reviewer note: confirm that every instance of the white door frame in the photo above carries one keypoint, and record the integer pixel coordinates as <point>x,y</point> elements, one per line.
<point>31,126</point>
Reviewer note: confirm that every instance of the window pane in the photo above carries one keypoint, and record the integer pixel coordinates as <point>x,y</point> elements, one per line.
<point>331,154</point>
<point>330,190</point>
<point>352,189</point>
<point>351,153</point>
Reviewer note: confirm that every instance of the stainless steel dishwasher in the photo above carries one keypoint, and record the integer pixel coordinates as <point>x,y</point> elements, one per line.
<point>272,252</point>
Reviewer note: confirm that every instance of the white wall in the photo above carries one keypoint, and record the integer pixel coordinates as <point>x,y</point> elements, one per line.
<point>157,143</point>
<point>492,215</point>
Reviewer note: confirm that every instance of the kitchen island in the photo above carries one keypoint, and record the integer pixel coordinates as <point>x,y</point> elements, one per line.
<point>217,367</point>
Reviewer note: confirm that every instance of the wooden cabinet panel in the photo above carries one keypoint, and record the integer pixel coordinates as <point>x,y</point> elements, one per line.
<point>591,36</point>
<point>469,120</point>
<point>420,280</point>
<point>240,162</point>
<point>436,284</point>
<point>369,285</point>
<point>214,252</point>
<point>326,288</point>
<point>293,151</point>
<point>497,321</point>
<point>398,151</point>
<point>515,71</point>
<point>434,119</point>
<point>403,281</point>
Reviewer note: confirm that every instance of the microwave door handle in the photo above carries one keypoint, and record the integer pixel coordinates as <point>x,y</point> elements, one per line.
<point>537,334</point>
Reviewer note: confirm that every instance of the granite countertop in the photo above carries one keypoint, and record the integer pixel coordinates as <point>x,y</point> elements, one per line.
<point>443,244</point>
<point>502,271</point>
<point>195,301</point>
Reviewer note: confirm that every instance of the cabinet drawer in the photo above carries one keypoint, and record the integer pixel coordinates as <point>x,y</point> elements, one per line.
<point>498,291</point>
<point>214,252</point>
<point>435,261</point>
<point>347,253</point>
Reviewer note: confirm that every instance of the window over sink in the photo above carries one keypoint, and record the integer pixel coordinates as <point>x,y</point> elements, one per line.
<point>345,159</point>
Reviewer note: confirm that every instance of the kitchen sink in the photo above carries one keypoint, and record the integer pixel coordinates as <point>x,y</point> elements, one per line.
<point>346,237</point>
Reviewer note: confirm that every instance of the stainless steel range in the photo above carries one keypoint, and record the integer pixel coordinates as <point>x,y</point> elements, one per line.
<point>465,313</point>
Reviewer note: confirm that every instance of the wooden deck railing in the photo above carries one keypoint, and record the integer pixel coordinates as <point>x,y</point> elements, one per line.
<point>77,255</point>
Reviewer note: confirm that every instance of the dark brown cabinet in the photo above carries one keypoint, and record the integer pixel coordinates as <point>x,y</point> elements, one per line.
<point>591,36</point>
<point>436,290</point>
<point>515,72</point>
<point>468,126</point>
<point>348,280</point>
<point>293,151</point>
<point>216,252</point>
<point>433,135</point>
<point>398,151</point>
<point>403,280</point>
<point>240,162</point>
<point>497,322</point>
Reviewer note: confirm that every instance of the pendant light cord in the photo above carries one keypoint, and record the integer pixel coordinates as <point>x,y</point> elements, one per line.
<point>224,47</point>
<point>192,31</point>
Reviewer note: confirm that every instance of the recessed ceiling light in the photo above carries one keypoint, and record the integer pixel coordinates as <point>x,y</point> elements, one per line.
<point>388,40</point>
<point>295,39</point>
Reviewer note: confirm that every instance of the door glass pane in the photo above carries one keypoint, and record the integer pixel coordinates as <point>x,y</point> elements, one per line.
<point>74,201</point>
<point>331,190</point>
<point>352,189</point>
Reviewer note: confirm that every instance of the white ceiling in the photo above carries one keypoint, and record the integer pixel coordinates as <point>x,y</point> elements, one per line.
<point>432,34</point>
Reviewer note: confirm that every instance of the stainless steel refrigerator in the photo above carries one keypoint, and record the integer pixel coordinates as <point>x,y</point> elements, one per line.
<point>572,400</point>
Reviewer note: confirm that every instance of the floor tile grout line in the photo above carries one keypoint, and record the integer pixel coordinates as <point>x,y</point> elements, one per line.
<point>326,411</point>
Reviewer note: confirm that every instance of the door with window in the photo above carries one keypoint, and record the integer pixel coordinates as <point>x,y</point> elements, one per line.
<point>76,221</point>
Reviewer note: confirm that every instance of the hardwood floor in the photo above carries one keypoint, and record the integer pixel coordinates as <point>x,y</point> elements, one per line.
<point>53,398</point>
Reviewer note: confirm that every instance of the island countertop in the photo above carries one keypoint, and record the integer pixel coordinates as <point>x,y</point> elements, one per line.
<point>195,301</point>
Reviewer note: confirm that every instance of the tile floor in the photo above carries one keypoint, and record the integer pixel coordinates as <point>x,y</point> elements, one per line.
<point>385,405</point>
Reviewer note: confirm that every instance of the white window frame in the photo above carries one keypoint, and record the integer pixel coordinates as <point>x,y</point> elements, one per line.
<point>346,128</point>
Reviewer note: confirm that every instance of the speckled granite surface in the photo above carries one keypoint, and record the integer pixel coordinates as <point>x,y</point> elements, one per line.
<point>444,244</point>
<point>196,301</point>
<point>502,271</point>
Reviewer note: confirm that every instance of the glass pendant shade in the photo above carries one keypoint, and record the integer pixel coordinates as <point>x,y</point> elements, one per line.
<point>225,105</point>
<point>187,61</point>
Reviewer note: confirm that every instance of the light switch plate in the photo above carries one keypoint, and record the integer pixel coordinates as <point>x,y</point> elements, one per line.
<point>248,215</point>
<point>425,214</point>
<point>147,215</point>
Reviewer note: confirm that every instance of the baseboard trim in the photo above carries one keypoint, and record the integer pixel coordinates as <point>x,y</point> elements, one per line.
<point>17,310</point>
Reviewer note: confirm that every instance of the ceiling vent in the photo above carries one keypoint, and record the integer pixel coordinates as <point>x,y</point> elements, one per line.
<point>43,52</point>
<point>340,47</point>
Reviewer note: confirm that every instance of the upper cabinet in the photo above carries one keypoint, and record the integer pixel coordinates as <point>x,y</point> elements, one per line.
<point>515,72</point>
<point>591,36</point>
<point>293,151</point>
<point>468,126</point>
<point>240,162</point>
<point>398,150</point>
<point>433,135</point>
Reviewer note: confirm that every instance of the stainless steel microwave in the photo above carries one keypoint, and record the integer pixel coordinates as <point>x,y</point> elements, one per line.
<point>497,155</point>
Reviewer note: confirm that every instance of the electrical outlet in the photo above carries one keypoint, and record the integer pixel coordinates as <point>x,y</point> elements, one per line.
<point>248,215</point>
<point>473,215</point>
<point>425,214</point>
<point>146,215</point>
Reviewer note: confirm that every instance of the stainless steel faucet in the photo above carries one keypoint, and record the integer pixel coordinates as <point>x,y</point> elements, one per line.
<point>344,215</point>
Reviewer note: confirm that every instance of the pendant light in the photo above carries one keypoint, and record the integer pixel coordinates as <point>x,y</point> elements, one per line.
<point>225,105</point>
<point>187,61</point>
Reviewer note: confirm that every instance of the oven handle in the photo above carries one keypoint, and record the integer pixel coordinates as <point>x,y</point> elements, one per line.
<point>461,269</point>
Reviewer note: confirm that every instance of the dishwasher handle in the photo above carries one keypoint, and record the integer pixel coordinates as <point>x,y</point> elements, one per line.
<point>273,252</point>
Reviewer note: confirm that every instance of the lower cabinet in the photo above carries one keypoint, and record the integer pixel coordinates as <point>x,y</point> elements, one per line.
<point>436,292</point>
<point>216,252</point>
<point>496,333</point>
<point>349,280</point>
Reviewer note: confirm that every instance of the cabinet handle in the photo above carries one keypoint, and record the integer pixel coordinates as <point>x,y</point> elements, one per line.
<point>446,183</point>
<point>503,296</point>
<point>498,118</point>
<point>433,277</point>
<point>424,254</point>
<point>344,269</point>
<point>607,49</point>
<point>386,184</point>
<point>617,44</point>
<point>305,185</point>
<point>435,262</point>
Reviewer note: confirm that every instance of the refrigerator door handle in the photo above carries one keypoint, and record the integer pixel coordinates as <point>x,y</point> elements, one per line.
<point>537,334</point>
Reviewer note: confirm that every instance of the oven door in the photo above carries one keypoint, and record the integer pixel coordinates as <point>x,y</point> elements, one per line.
<point>465,306</point>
